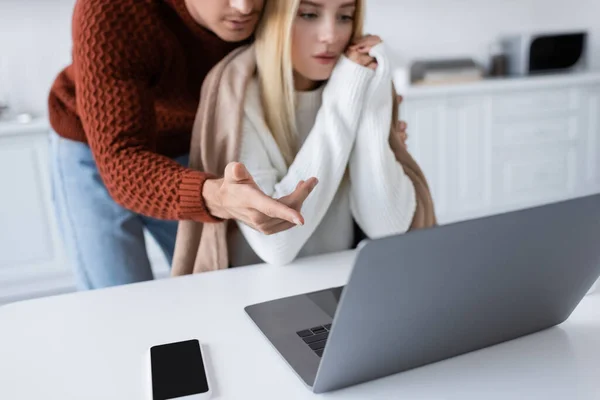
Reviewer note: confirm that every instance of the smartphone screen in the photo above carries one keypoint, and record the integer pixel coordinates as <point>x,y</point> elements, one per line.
<point>177,370</point>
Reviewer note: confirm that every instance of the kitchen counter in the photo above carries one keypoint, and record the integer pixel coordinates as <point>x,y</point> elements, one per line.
<point>10,127</point>
<point>547,81</point>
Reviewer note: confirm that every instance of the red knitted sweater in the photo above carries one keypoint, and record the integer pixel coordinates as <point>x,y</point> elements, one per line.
<point>131,93</point>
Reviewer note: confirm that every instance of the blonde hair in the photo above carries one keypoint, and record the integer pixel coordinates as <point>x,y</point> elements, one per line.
<point>275,70</point>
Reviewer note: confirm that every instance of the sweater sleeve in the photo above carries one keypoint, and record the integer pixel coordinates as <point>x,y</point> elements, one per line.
<point>116,60</point>
<point>382,198</point>
<point>324,155</point>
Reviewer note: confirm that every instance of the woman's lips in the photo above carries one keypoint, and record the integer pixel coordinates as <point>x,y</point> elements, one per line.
<point>325,58</point>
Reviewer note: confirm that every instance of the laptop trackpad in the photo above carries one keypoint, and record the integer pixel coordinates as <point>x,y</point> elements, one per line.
<point>327,300</point>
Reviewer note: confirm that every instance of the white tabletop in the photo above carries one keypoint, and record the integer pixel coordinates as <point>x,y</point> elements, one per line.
<point>93,345</point>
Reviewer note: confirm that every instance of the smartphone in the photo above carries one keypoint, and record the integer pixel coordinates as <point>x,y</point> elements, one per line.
<point>178,371</point>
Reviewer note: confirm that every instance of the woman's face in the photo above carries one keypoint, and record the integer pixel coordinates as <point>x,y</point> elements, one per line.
<point>322,30</point>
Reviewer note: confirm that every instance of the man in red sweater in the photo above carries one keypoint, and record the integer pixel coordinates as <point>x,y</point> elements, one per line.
<point>123,112</point>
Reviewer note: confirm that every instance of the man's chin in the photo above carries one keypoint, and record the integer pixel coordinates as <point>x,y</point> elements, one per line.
<point>234,36</point>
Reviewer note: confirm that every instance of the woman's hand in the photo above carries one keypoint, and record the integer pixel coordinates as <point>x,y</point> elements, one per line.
<point>398,136</point>
<point>359,51</point>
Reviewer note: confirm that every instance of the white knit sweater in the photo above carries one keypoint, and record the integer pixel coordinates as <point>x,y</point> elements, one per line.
<point>343,126</point>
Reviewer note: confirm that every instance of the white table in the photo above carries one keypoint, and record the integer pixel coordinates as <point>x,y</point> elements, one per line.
<point>93,345</point>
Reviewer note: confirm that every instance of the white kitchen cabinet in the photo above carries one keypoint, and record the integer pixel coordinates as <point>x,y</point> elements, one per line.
<point>32,258</point>
<point>25,228</point>
<point>501,145</point>
<point>467,140</point>
<point>448,139</point>
<point>429,149</point>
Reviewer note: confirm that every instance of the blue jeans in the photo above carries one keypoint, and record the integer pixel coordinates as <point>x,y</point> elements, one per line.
<point>104,242</point>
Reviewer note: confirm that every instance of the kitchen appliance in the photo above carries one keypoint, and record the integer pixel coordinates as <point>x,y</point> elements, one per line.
<point>535,53</point>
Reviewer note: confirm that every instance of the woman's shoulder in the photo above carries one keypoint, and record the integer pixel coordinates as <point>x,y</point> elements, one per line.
<point>253,90</point>
<point>252,100</point>
<point>253,116</point>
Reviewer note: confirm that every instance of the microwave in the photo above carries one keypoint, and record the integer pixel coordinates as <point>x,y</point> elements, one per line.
<point>539,53</point>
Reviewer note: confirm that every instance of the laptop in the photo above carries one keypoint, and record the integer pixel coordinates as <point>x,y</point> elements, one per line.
<point>433,294</point>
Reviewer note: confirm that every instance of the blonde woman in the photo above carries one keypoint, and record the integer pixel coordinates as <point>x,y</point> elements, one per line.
<point>320,107</point>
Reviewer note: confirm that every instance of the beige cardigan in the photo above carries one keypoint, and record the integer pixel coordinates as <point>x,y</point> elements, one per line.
<point>216,139</point>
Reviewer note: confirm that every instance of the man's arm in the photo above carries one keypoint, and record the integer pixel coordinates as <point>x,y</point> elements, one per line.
<point>115,59</point>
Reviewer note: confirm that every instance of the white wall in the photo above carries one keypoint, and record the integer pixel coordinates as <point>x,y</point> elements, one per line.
<point>449,28</point>
<point>35,34</point>
<point>34,46</point>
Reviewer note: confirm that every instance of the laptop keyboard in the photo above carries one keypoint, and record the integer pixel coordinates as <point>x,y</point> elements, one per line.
<point>316,338</point>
